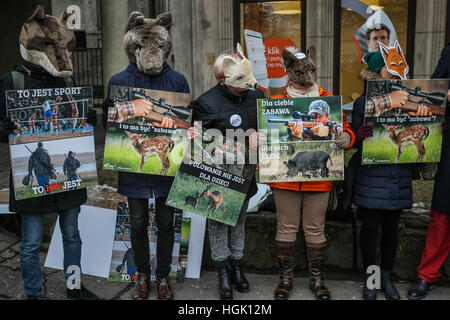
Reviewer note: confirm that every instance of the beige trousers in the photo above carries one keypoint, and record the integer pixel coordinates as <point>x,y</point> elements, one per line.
<point>309,206</point>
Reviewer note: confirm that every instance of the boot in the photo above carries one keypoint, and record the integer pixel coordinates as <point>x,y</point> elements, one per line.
<point>285,255</point>
<point>142,286</point>
<point>164,289</point>
<point>237,276</point>
<point>225,289</point>
<point>316,257</point>
<point>368,294</point>
<point>387,286</point>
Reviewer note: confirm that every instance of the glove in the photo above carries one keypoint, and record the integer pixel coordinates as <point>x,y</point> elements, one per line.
<point>444,125</point>
<point>343,141</point>
<point>91,117</point>
<point>365,131</point>
<point>6,128</point>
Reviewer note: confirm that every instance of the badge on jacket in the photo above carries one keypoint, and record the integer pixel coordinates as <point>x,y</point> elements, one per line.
<point>235,120</point>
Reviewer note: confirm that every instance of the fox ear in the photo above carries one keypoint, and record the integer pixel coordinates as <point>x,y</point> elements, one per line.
<point>398,48</point>
<point>384,50</point>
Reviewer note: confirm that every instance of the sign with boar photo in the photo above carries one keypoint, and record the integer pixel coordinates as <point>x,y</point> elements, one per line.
<point>299,141</point>
<point>52,147</point>
<point>406,117</point>
<point>146,131</point>
<point>214,177</point>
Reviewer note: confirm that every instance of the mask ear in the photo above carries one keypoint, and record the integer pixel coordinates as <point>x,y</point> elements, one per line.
<point>398,48</point>
<point>311,53</point>
<point>39,13</point>
<point>289,59</point>
<point>165,20</point>
<point>135,19</point>
<point>240,51</point>
<point>384,50</point>
<point>228,63</point>
<point>65,16</point>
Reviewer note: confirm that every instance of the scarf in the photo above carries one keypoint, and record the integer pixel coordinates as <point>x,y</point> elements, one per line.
<point>299,93</point>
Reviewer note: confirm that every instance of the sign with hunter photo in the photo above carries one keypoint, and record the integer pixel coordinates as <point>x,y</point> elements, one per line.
<point>301,139</point>
<point>52,148</point>
<point>123,267</point>
<point>146,131</point>
<point>213,179</point>
<point>404,131</point>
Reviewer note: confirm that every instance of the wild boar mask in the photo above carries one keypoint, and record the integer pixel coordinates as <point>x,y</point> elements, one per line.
<point>238,74</point>
<point>148,41</point>
<point>303,70</point>
<point>47,41</point>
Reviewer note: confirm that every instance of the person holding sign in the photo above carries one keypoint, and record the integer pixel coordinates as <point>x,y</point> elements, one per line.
<point>148,69</point>
<point>35,72</point>
<point>231,104</point>
<point>305,201</point>
<point>381,192</point>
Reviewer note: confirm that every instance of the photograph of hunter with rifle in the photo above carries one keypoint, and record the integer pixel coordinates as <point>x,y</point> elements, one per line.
<point>145,130</point>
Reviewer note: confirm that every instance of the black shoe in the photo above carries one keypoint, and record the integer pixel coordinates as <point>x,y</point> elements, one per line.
<point>237,276</point>
<point>387,286</point>
<point>81,294</point>
<point>225,289</point>
<point>368,294</point>
<point>419,289</point>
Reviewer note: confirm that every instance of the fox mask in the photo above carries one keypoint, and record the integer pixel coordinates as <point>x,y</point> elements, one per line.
<point>148,42</point>
<point>395,60</point>
<point>238,74</point>
<point>47,41</point>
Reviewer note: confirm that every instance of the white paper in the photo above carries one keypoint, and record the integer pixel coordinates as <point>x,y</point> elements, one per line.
<point>196,240</point>
<point>96,227</point>
<point>256,53</point>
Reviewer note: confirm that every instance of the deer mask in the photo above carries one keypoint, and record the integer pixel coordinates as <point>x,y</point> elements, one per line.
<point>47,41</point>
<point>238,74</point>
<point>301,69</point>
<point>395,60</point>
<point>148,41</point>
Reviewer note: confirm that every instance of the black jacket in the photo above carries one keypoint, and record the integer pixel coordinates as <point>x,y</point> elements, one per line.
<point>35,77</point>
<point>441,191</point>
<point>220,109</point>
<point>41,163</point>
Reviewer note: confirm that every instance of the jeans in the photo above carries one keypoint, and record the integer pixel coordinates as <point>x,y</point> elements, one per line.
<point>139,235</point>
<point>32,225</point>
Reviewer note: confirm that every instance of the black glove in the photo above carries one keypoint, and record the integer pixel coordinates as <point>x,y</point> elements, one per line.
<point>91,117</point>
<point>6,128</point>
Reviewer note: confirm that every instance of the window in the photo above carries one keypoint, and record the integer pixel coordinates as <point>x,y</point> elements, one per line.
<point>266,28</point>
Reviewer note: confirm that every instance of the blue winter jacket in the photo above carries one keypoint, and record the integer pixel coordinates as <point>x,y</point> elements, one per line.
<point>383,187</point>
<point>141,185</point>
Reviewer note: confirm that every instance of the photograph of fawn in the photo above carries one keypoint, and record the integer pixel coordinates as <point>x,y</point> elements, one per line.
<point>404,131</point>
<point>146,131</point>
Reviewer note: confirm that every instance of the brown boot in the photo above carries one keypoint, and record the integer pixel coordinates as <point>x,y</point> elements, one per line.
<point>317,256</point>
<point>164,290</point>
<point>142,286</point>
<point>285,255</point>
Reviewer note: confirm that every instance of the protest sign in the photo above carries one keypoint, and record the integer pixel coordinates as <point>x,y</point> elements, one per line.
<point>301,139</point>
<point>52,148</point>
<point>404,132</point>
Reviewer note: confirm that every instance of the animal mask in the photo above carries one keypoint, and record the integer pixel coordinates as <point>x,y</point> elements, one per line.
<point>238,74</point>
<point>148,41</point>
<point>395,60</point>
<point>47,41</point>
<point>302,70</point>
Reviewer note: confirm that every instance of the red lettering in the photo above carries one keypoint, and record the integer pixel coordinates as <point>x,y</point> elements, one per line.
<point>133,277</point>
<point>53,187</point>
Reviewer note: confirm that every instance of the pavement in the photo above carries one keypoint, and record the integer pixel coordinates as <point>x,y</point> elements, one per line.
<point>342,287</point>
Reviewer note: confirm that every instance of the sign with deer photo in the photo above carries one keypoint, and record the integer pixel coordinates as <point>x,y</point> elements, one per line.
<point>301,139</point>
<point>52,147</point>
<point>406,117</point>
<point>146,131</point>
<point>211,181</point>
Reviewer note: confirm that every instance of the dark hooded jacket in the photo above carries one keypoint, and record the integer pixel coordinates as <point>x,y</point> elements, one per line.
<point>441,191</point>
<point>35,77</point>
<point>143,185</point>
<point>218,107</point>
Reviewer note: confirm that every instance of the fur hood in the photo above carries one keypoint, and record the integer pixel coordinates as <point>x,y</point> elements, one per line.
<point>366,74</point>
